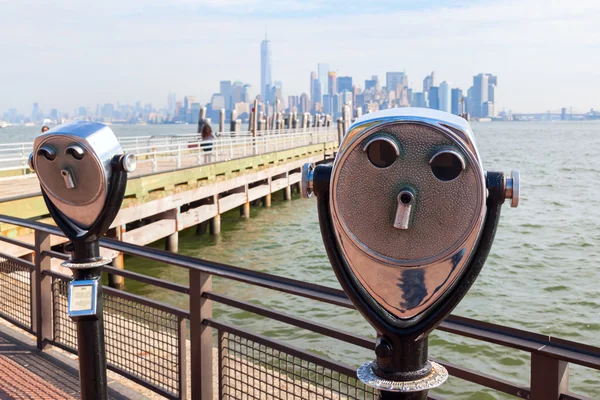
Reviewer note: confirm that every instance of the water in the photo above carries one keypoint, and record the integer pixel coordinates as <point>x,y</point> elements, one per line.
<point>542,274</point>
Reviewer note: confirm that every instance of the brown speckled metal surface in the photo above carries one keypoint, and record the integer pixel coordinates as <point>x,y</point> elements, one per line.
<point>406,271</point>
<point>443,213</point>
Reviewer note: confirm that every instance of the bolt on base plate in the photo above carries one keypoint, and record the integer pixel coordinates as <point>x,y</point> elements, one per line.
<point>436,377</point>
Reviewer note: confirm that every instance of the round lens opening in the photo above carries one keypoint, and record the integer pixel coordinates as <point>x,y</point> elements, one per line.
<point>405,198</point>
<point>446,165</point>
<point>382,153</point>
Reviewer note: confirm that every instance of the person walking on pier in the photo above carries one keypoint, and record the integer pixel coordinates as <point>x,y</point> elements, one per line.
<point>45,128</point>
<point>207,143</point>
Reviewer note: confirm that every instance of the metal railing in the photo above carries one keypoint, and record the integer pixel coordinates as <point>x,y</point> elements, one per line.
<point>159,153</point>
<point>147,341</point>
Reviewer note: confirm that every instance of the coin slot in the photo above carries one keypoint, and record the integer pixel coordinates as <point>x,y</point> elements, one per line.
<point>406,198</point>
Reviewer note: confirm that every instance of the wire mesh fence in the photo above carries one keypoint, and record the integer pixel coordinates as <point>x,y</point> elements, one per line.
<point>249,369</point>
<point>15,292</point>
<point>140,340</point>
<point>143,341</point>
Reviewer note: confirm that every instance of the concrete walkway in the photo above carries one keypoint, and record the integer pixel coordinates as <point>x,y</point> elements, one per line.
<point>28,373</point>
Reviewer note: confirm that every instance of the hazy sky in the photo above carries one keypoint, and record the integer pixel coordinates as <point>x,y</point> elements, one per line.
<point>65,53</point>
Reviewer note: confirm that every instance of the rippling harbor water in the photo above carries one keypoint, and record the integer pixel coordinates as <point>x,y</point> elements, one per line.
<point>542,274</point>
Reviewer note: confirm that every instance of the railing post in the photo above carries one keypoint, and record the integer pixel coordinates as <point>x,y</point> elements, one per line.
<point>549,377</point>
<point>41,287</point>
<point>178,156</point>
<point>200,337</point>
<point>154,161</point>
<point>182,330</point>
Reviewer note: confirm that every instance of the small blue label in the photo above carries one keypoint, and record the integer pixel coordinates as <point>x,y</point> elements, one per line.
<point>83,297</point>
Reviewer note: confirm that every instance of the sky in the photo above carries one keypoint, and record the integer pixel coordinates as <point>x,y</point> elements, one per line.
<point>66,53</point>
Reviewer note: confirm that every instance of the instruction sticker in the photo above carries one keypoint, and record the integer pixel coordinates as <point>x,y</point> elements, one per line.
<point>82,297</point>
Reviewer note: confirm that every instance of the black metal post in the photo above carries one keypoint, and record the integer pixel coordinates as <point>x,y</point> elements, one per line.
<point>90,330</point>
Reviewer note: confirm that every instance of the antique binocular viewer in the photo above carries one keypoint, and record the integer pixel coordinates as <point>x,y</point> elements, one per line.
<point>82,171</point>
<point>408,216</point>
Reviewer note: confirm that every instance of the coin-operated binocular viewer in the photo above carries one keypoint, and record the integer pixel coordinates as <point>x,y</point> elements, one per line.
<point>82,171</point>
<point>408,217</point>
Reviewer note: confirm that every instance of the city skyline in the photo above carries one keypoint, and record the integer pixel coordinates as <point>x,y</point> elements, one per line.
<point>329,92</point>
<point>546,53</point>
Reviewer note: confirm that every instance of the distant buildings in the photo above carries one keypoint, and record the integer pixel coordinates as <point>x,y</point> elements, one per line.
<point>327,93</point>
<point>480,104</point>
<point>395,81</point>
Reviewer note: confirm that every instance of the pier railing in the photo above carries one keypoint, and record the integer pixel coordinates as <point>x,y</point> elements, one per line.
<point>158,153</point>
<point>149,342</point>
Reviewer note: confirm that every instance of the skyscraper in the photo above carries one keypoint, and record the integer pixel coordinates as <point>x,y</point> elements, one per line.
<point>327,102</point>
<point>316,92</point>
<point>428,82</point>
<point>226,92</point>
<point>35,113</point>
<point>434,98</point>
<point>347,99</point>
<point>266,79</point>
<point>344,83</point>
<point>445,97</point>
<point>336,107</point>
<point>480,94</point>
<point>371,83</point>
<point>332,83</point>
<point>419,100</point>
<point>304,105</point>
<point>313,79</point>
<point>323,77</point>
<point>456,96</point>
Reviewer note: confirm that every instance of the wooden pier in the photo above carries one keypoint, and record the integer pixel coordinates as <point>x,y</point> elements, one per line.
<point>178,186</point>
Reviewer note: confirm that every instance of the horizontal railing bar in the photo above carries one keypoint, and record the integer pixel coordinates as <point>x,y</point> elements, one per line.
<point>145,301</point>
<point>57,275</point>
<point>486,380</point>
<point>16,242</point>
<point>522,340</point>
<point>17,323</point>
<point>289,319</point>
<point>148,279</point>
<point>56,254</point>
<point>19,261</point>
